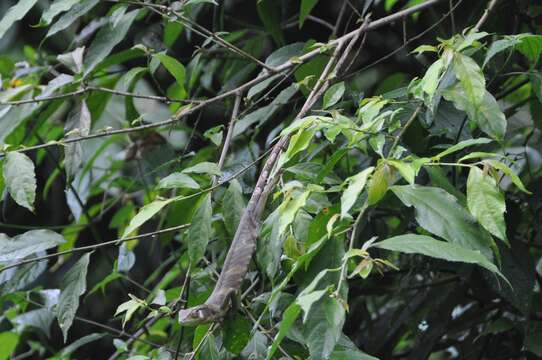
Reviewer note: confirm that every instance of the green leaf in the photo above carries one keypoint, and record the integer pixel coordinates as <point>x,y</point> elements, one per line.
<point>129,308</point>
<point>178,180</point>
<point>81,8</point>
<point>288,318</point>
<point>323,328</point>
<point>56,8</point>
<point>426,245</point>
<point>20,179</point>
<point>508,172</point>
<point>378,186</point>
<point>289,208</point>
<point>215,134</point>
<point>38,319</point>
<point>236,334</point>
<point>29,243</point>
<point>471,78</point>
<point>306,7</point>
<point>407,170</point>
<point>107,38</point>
<point>78,124</point>
<point>9,341</point>
<point>531,47</point>
<point>72,287</point>
<point>536,84</point>
<point>201,230</point>
<point>144,214</point>
<point>233,206</point>
<point>486,202</point>
<point>347,350</point>
<point>439,213</point>
<point>431,78</point>
<point>204,168</point>
<point>499,46</point>
<point>14,14</point>
<point>533,343</point>
<point>334,94</point>
<point>460,146</point>
<point>356,184</point>
<point>269,13</point>
<point>299,142</point>
<point>486,114</point>
<point>423,48</point>
<point>68,350</point>
<point>175,68</point>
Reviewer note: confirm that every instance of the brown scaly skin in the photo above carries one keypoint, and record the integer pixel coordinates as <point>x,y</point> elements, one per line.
<point>240,253</point>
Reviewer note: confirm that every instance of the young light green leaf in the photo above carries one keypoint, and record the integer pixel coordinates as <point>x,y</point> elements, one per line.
<point>378,186</point>
<point>9,341</point>
<point>306,7</point>
<point>431,78</point>
<point>289,209</point>
<point>20,179</point>
<point>356,184</point>
<point>289,317</point>
<point>460,146</point>
<point>129,307</point>
<point>107,38</point>
<point>486,202</point>
<point>299,142</point>
<point>73,286</point>
<point>424,48</point>
<point>531,47</point>
<point>426,245</point>
<point>144,214</point>
<point>407,170</point>
<point>178,180</point>
<point>31,242</point>
<point>201,230</point>
<point>334,94</point>
<point>215,134</point>
<point>439,213</point>
<point>81,8</point>
<point>471,78</point>
<point>508,172</point>
<point>14,14</point>
<point>175,68</point>
<point>203,168</point>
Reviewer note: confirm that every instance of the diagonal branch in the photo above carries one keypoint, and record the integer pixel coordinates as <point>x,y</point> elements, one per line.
<point>281,68</point>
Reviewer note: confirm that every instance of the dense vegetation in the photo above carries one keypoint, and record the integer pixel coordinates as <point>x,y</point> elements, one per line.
<point>403,217</point>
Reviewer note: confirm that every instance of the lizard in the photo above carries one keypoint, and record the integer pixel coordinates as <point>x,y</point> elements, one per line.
<point>242,248</point>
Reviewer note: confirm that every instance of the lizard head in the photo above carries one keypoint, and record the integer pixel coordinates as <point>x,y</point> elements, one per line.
<point>199,314</point>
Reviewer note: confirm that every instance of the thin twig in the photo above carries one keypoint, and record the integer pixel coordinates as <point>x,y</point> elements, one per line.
<point>95,246</point>
<point>285,66</point>
<point>485,15</point>
<point>404,129</point>
<point>229,134</point>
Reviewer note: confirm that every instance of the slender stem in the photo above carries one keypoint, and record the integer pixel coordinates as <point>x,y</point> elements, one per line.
<point>485,15</point>
<point>95,246</point>
<point>229,134</point>
<point>285,66</point>
<point>353,233</point>
<point>404,129</point>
